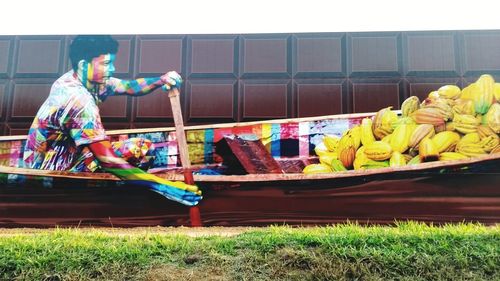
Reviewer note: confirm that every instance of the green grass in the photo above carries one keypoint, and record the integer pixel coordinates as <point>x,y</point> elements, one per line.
<point>408,251</point>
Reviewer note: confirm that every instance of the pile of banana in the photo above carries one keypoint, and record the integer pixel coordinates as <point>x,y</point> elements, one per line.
<point>450,124</point>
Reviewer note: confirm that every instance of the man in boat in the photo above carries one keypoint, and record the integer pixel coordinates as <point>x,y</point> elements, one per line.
<point>67,133</point>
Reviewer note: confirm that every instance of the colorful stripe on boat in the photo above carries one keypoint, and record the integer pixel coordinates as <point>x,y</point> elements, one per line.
<point>292,139</point>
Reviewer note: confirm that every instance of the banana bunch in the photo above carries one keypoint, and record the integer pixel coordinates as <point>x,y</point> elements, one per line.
<point>450,124</point>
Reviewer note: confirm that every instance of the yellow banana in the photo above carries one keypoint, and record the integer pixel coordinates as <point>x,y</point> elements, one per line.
<point>331,142</point>
<point>397,159</point>
<point>367,136</point>
<point>337,166</point>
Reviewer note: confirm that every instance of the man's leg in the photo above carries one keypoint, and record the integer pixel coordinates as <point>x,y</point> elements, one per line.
<point>138,152</point>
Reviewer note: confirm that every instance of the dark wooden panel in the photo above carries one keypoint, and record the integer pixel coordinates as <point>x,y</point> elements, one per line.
<point>124,57</point>
<point>154,105</point>
<point>5,56</point>
<point>319,56</point>
<point>421,87</point>
<point>371,96</point>
<point>39,57</point>
<point>431,54</point>
<point>28,97</point>
<point>212,99</point>
<point>109,125</point>
<point>318,98</point>
<point>159,55</point>
<point>17,129</point>
<point>3,94</point>
<point>265,99</point>
<point>213,57</point>
<point>481,50</point>
<point>266,56</point>
<point>152,124</point>
<point>374,54</point>
<point>114,107</point>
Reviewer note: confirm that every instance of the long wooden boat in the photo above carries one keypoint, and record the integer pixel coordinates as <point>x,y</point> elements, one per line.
<point>437,192</point>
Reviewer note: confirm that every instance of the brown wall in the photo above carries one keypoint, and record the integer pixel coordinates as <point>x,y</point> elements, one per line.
<point>242,77</point>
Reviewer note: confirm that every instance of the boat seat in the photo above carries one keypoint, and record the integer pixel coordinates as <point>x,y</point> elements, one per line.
<point>245,154</point>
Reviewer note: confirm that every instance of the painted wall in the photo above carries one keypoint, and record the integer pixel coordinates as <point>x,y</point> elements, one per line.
<point>242,77</point>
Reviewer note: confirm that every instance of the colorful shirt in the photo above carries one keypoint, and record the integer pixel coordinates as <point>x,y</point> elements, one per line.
<point>68,120</point>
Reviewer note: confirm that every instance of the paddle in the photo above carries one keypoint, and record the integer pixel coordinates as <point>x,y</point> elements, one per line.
<point>173,94</point>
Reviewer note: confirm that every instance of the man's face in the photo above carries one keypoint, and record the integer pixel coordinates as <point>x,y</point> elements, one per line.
<point>101,68</point>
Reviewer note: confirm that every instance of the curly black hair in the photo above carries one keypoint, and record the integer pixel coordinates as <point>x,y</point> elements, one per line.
<point>87,47</point>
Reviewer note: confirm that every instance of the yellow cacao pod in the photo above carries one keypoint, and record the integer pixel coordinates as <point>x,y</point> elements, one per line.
<point>469,92</point>
<point>409,105</point>
<point>448,156</point>
<point>355,133</point>
<point>470,149</point>
<point>421,131</point>
<point>400,138</point>
<point>483,98</point>
<point>372,164</point>
<point>493,118</point>
<point>327,158</point>
<point>403,121</point>
<point>446,141</point>
<point>464,106</point>
<point>415,160</point>
<point>397,159</point>
<point>360,159</point>
<point>470,138</point>
<point>408,157</point>
<point>442,106</point>
<point>346,150</point>
<point>429,115</point>
<point>485,131</point>
<point>449,92</point>
<point>382,122</point>
<point>387,139</point>
<point>428,151</point>
<point>489,142</point>
<point>432,95</point>
<point>496,149</point>
<point>497,91</point>
<point>316,169</point>
<point>465,123</point>
<point>360,152</point>
<point>449,126</point>
<point>378,151</point>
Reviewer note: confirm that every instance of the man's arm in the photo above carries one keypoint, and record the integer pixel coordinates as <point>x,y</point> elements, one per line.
<point>178,191</point>
<point>143,86</point>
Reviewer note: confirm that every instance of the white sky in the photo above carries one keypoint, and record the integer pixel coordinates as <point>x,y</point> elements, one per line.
<point>37,17</point>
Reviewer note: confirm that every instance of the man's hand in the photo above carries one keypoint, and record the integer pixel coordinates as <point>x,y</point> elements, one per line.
<point>177,191</point>
<point>171,80</point>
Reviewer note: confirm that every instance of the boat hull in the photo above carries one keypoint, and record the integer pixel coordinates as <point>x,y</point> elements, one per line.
<point>380,198</point>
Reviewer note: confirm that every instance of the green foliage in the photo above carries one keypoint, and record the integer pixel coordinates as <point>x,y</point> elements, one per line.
<point>407,251</point>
